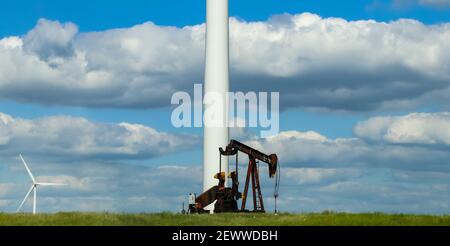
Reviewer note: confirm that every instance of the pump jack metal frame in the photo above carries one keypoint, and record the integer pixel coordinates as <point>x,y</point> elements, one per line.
<point>226,198</point>
<point>253,176</point>
<point>252,171</point>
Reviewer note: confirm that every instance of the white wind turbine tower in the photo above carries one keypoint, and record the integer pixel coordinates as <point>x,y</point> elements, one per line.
<point>33,187</point>
<point>216,81</point>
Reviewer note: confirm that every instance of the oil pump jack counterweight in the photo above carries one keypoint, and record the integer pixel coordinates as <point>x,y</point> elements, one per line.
<point>226,198</point>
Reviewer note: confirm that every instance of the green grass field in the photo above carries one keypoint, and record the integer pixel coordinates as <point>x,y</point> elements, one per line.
<point>169,219</point>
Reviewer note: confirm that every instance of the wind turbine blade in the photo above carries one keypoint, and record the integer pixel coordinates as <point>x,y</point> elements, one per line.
<point>26,196</point>
<point>28,170</point>
<point>50,184</point>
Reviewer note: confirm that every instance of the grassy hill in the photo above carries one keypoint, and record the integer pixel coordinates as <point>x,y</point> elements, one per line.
<point>169,219</point>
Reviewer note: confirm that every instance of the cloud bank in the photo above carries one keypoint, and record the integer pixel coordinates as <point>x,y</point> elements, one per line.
<point>314,62</point>
<point>418,141</point>
<point>119,188</point>
<point>74,138</point>
<point>432,129</point>
<point>368,172</point>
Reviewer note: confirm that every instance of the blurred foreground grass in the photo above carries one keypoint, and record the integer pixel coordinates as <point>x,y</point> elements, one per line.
<point>170,219</point>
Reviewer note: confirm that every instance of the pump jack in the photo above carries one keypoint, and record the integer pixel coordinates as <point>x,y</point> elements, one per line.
<point>226,198</point>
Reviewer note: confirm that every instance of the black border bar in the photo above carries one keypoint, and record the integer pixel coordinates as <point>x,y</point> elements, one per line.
<point>146,235</point>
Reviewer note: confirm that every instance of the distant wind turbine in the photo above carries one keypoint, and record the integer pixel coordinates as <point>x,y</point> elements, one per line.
<point>33,187</point>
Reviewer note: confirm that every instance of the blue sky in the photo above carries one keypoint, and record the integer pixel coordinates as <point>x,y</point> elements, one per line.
<point>102,14</point>
<point>335,79</point>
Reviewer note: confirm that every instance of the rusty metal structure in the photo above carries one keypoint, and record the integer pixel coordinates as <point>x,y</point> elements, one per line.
<point>225,198</point>
<point>252,171</point>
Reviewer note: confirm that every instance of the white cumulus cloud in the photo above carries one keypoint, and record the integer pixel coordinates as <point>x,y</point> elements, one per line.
<point>73,137</point>
<point>416,128</point>
<point>418,141</point>
<point>314,62</point>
